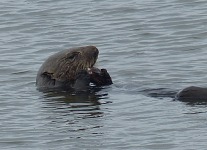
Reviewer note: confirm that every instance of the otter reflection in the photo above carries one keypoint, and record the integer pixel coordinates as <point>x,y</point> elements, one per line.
<point>85,103</point>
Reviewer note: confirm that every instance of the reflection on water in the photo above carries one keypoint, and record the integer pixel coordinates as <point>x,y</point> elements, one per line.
<point>71,115</point>
<point>91,96</point>
<point>196,103</point>
<point>83,104</point>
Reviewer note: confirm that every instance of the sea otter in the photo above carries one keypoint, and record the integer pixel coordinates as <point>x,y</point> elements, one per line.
<point>72,69</point>
<point>192,94</point>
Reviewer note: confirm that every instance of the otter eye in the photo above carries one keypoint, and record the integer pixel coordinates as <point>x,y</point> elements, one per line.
<point>72,56</point>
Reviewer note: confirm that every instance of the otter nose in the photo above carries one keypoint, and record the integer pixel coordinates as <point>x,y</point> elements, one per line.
<point>95,53</point>
<point>91,51</point>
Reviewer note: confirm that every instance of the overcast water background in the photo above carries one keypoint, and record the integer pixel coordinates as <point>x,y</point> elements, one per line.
<point>145,45</point>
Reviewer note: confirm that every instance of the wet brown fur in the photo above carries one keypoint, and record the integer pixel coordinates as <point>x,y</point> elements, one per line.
<point>61,68</point>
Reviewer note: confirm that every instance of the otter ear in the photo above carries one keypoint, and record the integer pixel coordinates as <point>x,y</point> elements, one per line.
<point>47,75</point>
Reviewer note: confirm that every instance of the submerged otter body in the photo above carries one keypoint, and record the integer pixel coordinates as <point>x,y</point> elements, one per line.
<point>68,69</point>
<point>192,94</point>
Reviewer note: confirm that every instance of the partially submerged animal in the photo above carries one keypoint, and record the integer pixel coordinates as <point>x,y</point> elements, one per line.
<point>192,94</point>
<point>72,69</point>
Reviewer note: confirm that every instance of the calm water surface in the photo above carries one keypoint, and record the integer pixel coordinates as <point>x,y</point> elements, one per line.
<point>145,45</point>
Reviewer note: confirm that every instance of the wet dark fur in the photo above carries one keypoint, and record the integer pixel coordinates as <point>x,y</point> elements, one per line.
<point>101,78</point>
<point>192,94</point>
<point>60,69</point>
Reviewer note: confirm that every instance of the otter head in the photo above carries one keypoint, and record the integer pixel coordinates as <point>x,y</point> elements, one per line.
<point>64,66</point>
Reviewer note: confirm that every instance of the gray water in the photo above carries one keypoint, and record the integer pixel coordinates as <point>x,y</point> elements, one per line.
<point>144,44</point>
